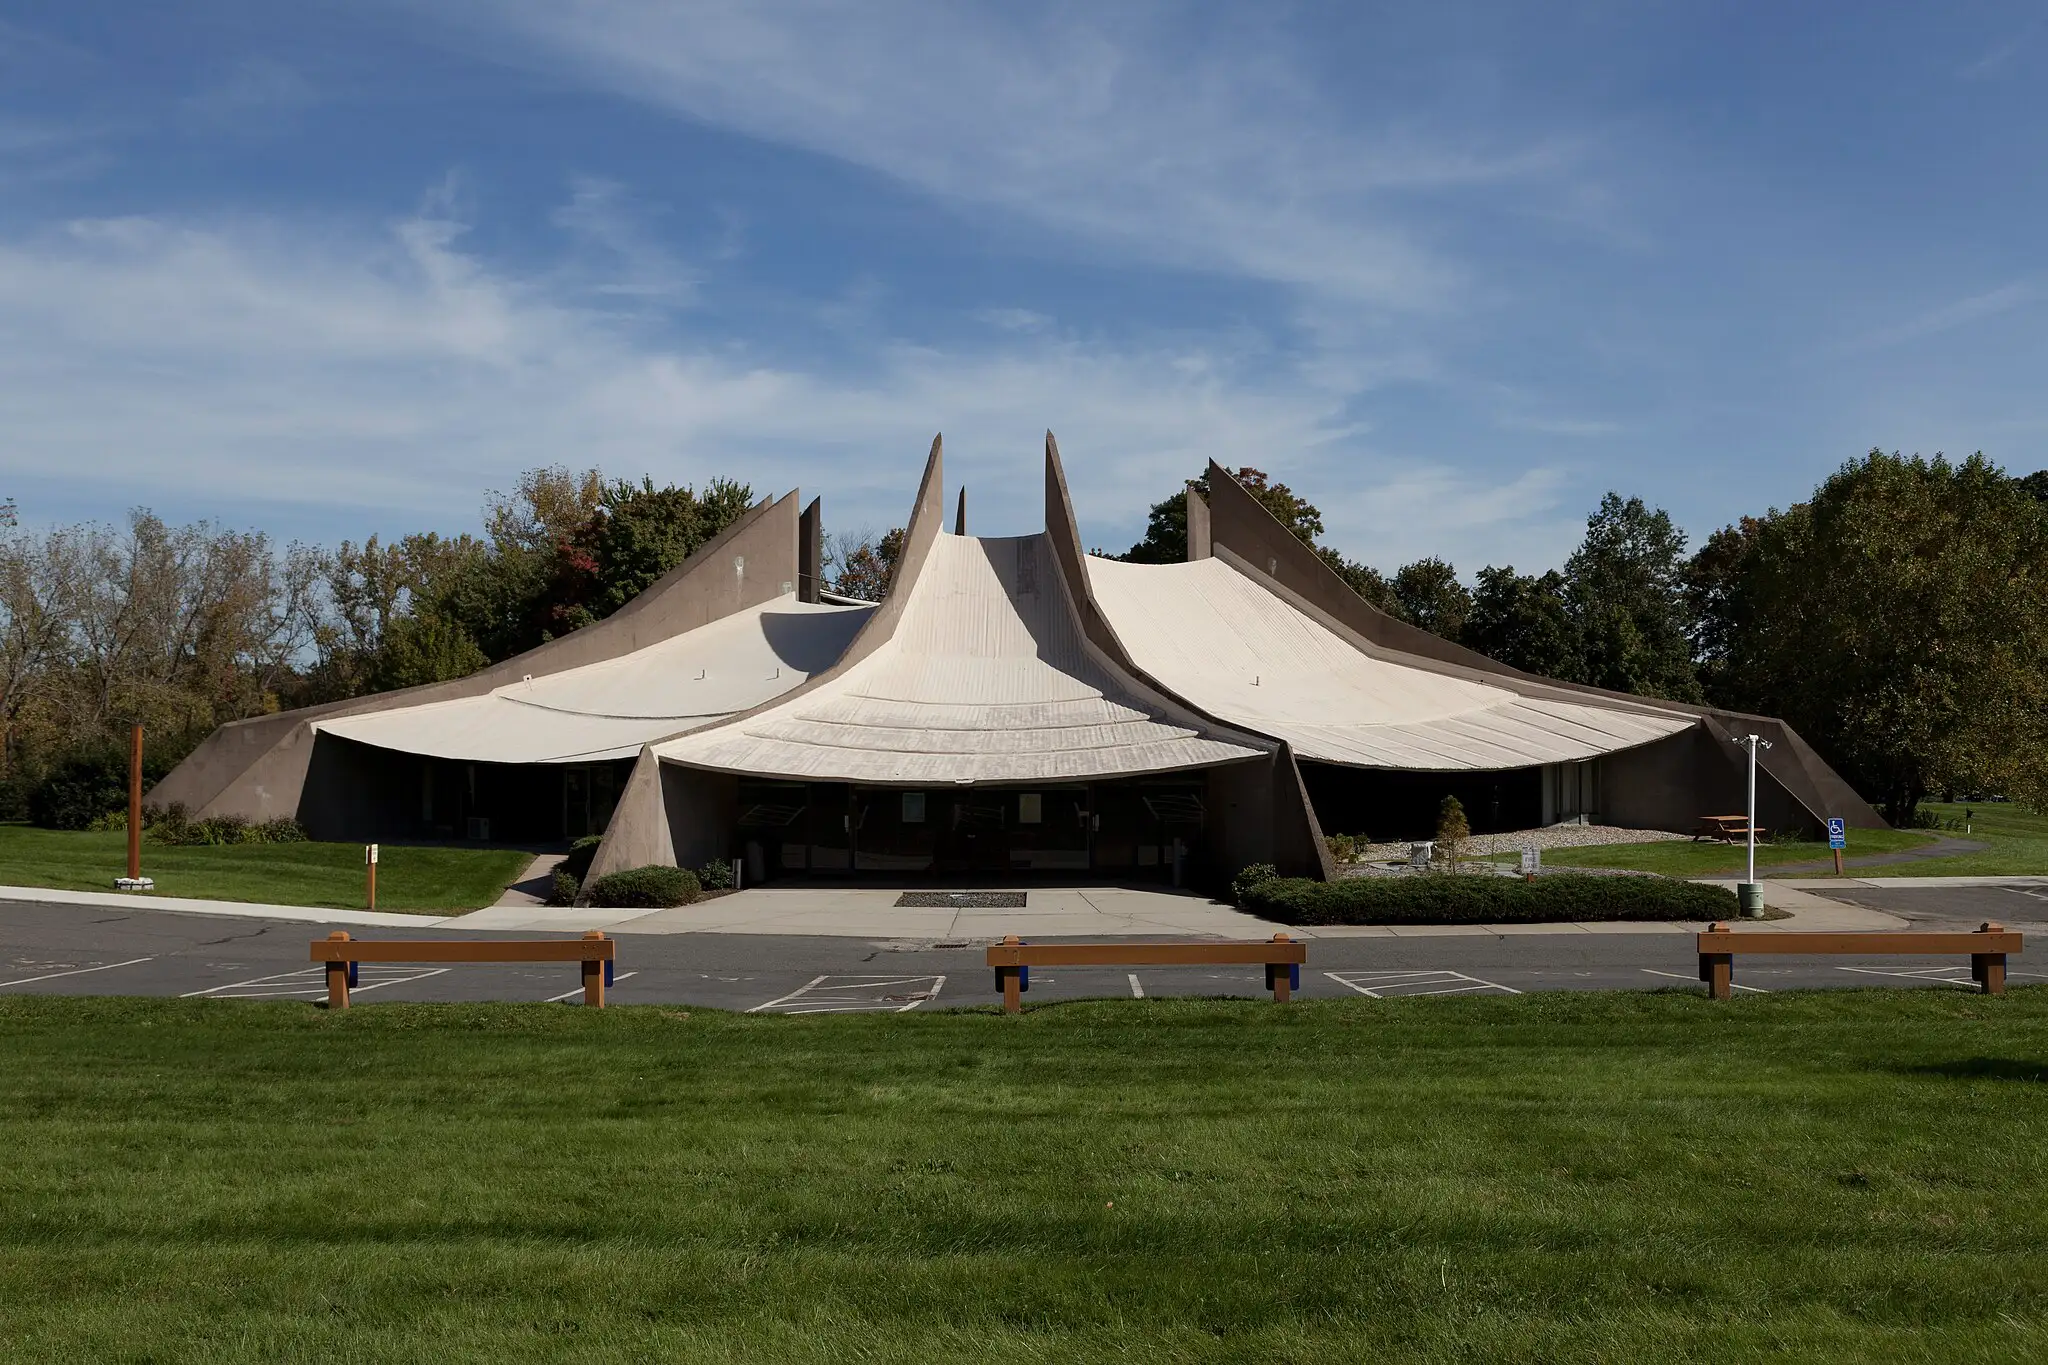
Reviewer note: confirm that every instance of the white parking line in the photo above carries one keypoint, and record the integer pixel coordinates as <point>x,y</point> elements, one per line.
<point>1681,976</point>
<point>1941,976</point>
<point>816,997</point>
<point>312,981</point>
<point>1415,983</point>
<point>570,995</point>
<point>76,971</point>
<point>1137,991</point>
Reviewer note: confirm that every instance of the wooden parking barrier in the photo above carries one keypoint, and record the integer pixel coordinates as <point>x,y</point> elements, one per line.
<point>1986,948</point>
<point>341,954</point>
<point>1013,960</point>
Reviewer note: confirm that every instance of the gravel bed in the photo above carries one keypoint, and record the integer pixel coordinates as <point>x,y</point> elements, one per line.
<point>1556,836</point>
<point>962,900</point>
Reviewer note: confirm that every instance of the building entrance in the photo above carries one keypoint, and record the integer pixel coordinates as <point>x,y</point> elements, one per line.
<point>791,829</point>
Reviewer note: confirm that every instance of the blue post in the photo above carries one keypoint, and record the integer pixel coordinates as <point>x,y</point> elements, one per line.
<point>608,965</point>
<point>351,976</point>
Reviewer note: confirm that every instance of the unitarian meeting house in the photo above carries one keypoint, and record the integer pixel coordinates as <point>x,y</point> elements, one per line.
<point>1013,706</point>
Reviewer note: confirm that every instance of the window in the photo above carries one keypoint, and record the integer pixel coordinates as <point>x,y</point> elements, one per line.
<point>1030,808</point>
<point>913,808</point>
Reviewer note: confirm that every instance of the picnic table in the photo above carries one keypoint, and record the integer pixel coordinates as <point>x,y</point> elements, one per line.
<point>1726,828</point>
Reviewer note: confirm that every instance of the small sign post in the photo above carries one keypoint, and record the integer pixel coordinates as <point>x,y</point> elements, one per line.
<point>1838,839</point>
<point>1532,862</point>
<point>370,866</point>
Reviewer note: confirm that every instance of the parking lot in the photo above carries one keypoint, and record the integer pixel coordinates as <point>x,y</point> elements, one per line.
<point>79,950</point>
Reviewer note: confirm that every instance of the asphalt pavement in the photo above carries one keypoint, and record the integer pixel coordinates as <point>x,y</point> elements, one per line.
<point>71,949</point>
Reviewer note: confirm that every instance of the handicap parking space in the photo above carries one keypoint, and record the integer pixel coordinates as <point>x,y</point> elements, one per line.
<point>858,994</point>
<point>1388,985</point>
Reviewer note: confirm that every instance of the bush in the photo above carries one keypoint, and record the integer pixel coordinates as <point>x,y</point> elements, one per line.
<point>82,786</point>
<point>1343,847</point>
<point>715,875</point>
<point>577,864</point>
<point>1258,874</point>
<point>173,825</point>
<point>564,890</point>
<point>1485,900</point>
<point>655,887</point>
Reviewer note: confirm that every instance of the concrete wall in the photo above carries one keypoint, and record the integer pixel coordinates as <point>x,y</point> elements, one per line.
<point>1260,813</point>
<point>258,768</point>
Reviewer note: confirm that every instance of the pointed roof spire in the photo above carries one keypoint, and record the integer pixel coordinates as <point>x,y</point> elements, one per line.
<point>960,517</point>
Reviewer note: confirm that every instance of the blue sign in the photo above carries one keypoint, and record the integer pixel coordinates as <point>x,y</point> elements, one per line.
<point>1838,832</point>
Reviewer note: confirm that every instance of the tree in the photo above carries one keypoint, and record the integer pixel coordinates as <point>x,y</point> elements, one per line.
<point>865,568</point>
<point>1430,595</point>
<point>1525,622</point>
<point>1166,525</point>
<point>1626,588</point>
<point>1900,621</point>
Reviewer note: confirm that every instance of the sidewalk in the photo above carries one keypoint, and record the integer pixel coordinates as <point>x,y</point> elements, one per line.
<point>1049,912</point>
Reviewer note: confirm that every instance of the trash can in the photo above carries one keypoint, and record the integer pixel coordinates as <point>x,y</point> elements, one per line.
<point>1751,895</point>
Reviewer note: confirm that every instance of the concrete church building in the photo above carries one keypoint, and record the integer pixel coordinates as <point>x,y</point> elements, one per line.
<point>1013,707</point>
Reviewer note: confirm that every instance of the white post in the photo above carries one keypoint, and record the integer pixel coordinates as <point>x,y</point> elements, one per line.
<point>1752,809</point>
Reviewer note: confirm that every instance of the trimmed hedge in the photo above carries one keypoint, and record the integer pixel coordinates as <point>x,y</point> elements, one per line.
<point>653,886</point>
<point>1455,899</point>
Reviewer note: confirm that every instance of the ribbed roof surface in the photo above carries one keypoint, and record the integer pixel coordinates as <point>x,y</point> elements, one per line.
<point>611,709</point>
<point>987,678</point>
<point>1225,644</point>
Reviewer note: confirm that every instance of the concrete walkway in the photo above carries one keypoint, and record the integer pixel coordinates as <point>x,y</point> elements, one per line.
<point>1050,912</point>
<point>535,884</point>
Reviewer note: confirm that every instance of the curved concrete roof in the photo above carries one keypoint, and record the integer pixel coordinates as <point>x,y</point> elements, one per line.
<point>1222,642</point>
<point>611,709</point>
<point>987,677</point>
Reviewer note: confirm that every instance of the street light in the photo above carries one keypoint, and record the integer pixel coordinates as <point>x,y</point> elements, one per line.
<point>1750,893</point>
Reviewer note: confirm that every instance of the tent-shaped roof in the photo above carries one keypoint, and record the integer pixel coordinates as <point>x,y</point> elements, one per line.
<point>987,677</point>
<point>612,708</point>
<point>1226,644</point>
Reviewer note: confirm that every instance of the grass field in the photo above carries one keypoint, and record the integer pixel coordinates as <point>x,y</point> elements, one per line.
<point>1687,858</point>
<point>330,875</point>
<point>1618,1177</point>
<point>2017,842</point>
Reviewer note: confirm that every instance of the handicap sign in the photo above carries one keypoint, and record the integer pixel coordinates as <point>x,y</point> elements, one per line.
<point>1838,832</point>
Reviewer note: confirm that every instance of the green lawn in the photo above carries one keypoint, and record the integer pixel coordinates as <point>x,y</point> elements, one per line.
<point>1616,1177</point>
<point>2018,840</point>
<point>1706,859</point>
<point>329,875</point>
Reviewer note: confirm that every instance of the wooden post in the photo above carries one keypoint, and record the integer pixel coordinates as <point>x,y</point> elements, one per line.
<point>593,974</point>
<point>1838,862</point>
<point>1281,976</point>
<point>1718,969</point>
<point>1988,969</point>
<point>370,867</point>
<point>135,804</point>
<point>337,976</point>
<point>1013,990</point>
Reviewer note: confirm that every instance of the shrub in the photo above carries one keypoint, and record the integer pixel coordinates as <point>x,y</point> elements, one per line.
<point>1258,874</point>
<point>1451,829</point>
<point>652,886</point>
<point>1342,847</point>
<point>564,890</point>
<point>283,830</point>
<point>83,786</point>
<point>577,864</point>
<point>715,875</point>
<point>172,825</point>
<point>1486,900</point>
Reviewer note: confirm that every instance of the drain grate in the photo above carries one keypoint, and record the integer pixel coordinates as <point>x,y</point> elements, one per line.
<point>970,900</point>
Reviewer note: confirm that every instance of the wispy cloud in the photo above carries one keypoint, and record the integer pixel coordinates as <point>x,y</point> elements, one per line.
<point>1977,307</point>
<point>257,96</point>
<point>1107,128</point>
<point>382,379</point>
<point>1998,58</point>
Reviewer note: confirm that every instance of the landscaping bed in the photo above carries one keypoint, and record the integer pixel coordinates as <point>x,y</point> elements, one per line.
<point>1453,899</point>
<point>1838,1176</point>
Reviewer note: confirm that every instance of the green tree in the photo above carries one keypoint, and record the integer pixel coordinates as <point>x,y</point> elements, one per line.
<point>424,649</point>
<point>1900,621</point>
<point>866,568</point>
<point>1627,590</point>
<point>1429,595</point>
<point>1166,525</point>
<point>1525,622</point>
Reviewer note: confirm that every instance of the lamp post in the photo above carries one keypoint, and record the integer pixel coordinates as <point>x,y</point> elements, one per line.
<point>1750,893</point>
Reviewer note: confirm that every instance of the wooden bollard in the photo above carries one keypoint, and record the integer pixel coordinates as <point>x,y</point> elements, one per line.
<point>593,974</point>
<point>337,976</point>
<point>1988,969</point>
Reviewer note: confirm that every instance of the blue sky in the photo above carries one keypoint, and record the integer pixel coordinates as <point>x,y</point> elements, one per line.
<point>1450,270</point>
